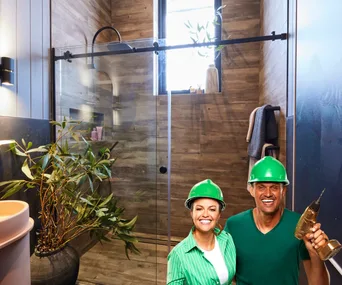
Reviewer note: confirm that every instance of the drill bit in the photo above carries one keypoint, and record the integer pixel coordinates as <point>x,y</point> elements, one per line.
<point>320,196</point>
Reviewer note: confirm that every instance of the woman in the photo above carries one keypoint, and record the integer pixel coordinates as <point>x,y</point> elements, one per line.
<point>207,256</point>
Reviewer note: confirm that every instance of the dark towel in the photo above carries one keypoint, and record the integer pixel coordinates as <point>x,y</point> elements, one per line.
<point>265,131</point>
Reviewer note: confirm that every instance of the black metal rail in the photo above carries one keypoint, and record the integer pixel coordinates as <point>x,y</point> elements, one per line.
<point>156,47</point>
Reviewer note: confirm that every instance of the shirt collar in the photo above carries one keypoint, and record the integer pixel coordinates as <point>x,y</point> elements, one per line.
<point>190,241</point>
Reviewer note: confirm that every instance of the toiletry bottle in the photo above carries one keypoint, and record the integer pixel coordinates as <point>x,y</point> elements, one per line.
<point>94,135</point>
<point>99,130</point>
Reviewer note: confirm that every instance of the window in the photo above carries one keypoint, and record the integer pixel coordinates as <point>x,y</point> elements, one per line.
<point>185,68</point>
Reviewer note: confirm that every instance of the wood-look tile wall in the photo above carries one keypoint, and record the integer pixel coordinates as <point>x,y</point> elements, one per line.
<point>208,131</point>
<point>273,56</point>
<point>75,22</point>
<point>134,18</point>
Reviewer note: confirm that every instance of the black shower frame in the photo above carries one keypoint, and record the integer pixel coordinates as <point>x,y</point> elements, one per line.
<point>68,56</point>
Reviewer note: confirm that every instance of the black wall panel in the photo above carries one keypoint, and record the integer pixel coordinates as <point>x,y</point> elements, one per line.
<point>36,131</point>
<point>318,147</point>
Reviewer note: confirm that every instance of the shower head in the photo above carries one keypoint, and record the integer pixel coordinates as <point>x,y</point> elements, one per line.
<point>113,46</point>
<point>118,46</point>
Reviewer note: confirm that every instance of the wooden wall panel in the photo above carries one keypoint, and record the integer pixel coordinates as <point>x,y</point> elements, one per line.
<point>133,19</point>
<point>76,22</point>
<point>208,131</point>
<point>207,142</point>
<point>25,37</point>
<point>273,56</point>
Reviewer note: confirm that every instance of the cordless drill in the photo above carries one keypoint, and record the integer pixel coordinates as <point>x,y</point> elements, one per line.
<point>306,222</point>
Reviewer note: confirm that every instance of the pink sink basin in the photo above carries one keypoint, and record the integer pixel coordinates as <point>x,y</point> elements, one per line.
<point>14,221</point>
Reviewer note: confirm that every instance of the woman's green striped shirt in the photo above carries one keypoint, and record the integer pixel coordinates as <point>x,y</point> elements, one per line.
<point>187,264</point>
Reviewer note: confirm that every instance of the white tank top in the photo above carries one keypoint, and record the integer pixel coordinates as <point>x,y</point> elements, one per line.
<point>215,257</point>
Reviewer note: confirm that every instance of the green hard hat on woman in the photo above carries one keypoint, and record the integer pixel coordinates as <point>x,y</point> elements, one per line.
<point>205,189</point>
<point>268,169</point>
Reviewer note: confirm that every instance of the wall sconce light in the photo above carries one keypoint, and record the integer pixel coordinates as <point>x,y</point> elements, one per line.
<point>6,71</point>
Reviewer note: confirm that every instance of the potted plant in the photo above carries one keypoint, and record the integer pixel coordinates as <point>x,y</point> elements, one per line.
<point>202,33</point>
<point>67,176</point>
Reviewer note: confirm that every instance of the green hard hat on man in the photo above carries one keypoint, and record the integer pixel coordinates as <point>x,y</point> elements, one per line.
<point>205,189</point>
<point>268,169</point>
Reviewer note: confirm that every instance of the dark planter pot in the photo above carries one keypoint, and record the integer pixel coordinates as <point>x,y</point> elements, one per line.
<point>55,268</point>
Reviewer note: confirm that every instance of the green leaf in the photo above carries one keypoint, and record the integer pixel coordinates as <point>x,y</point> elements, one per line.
<point>221,7</point>
<point>18,152</point>
<point>105,202</point>
<point>12,191</point>
<point>194,41</point>
<point>75,137</point>
<point>9,182</point>
<point>99,213</point>
<point>104,161</point>
<point>108,171</point>
<point>77,122</point>
<point>55,123</point>
<point>82,179</point>
<point>45,160</point>
<point>26,170</point>
<point>127,238</point>
<point>130,224</point>
<point>202,54</point>
<point>86,201</point>
<point>208,35</point>
<point>23,142</point>
<point>198,27</point>
<point>91,185</point>
<point>29,145</point>
<point>39,149</point>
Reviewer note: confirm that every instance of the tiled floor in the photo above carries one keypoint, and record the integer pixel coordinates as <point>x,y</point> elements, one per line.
<point>107,264</point>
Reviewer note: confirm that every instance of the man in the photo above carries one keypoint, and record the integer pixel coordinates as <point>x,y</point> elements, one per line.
<point>267,251</point>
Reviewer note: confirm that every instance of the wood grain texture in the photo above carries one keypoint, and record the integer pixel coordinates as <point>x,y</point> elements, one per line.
<point>76,22</point>
<point>107,263</point>
<point>208,130</point>
<point>133,19</point>
<point>208,140</point>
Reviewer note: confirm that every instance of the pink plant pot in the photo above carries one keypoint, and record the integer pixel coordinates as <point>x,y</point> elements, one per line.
<point>15,224</point>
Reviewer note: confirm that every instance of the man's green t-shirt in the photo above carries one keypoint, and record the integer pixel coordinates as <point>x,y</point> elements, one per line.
<point>266,259</point>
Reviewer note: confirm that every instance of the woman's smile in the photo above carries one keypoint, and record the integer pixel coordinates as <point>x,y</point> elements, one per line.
<point>205,214</point>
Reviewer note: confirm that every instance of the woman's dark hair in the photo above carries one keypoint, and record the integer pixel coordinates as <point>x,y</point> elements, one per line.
<point>192,203</point>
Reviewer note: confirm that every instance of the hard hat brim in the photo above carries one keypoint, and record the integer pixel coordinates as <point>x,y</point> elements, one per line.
<point>189,201</point>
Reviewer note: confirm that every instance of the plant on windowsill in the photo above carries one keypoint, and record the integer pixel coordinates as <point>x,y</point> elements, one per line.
<point>200,33</point>
<point>68,182</point>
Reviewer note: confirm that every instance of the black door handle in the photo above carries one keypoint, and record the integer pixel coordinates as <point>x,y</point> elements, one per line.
<point>162,169</point>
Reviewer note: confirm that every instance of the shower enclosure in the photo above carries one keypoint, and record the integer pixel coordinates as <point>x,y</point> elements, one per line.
<point>118,96</point>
